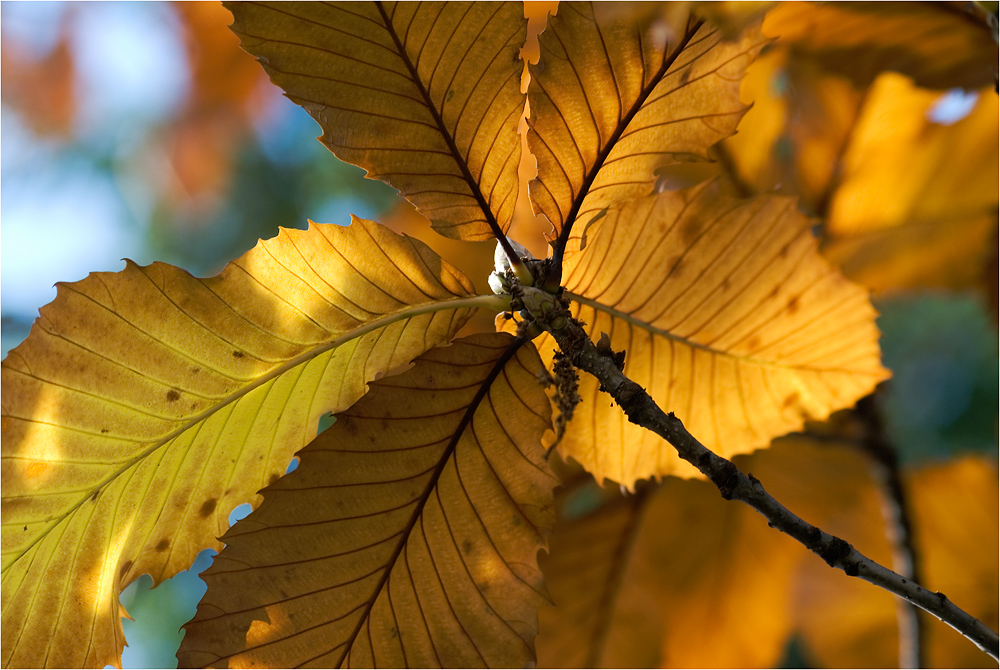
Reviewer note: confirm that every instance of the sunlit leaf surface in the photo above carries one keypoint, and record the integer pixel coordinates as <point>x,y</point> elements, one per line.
<point>917,201</point>
<point>424,96</point>
<point>146,404</point>
<point>848,623</point>
<point>408,535</point>
<point>670,577</point>
<point>729,317</point>
<point>610,103</point>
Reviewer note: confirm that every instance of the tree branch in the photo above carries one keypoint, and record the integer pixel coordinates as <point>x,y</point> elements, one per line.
<point>551,314</point>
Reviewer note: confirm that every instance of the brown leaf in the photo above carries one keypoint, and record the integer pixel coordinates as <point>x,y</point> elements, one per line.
<point>611,103</point>
<point>425,97</point>
<point>146,404</point>
<point>939,45</point>
<point>408,535</point>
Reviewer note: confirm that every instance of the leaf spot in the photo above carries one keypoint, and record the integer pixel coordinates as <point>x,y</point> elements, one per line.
<point>791,400</point>
<point>173,395</point>
<point>466,547</point>
<point>274,477</point>
<point>237,354</point>
<point>104,431</point>
<point>793,305</point>
<point>516,520</point>
<point>163,545</point>
<point>208,507</point>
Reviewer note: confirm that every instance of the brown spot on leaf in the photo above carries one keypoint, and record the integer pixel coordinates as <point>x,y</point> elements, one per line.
<point>126,566</point>
<point>104,431</point>
<point>93,498</point>
<point>237,354</point>
<point>273,478</point>
<point>208,507</point>
<point>792,399</point>
<point>690,231</point>
<point>163,544</point>
<point>173,395</point>
<point>753,343</point>
<point>793,305</point>
<point>466,547</point>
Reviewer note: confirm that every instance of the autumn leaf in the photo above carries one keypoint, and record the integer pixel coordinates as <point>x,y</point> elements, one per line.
<point>848,623</point>
<point>146,404</point>
<point>669,577</point>
<point>408,535</point>
<point>610,104</point>
<point>729,318</point>
<point>936,228</point>
<point>425,97</point>
<point>674,576</point>
<point>940,45</point>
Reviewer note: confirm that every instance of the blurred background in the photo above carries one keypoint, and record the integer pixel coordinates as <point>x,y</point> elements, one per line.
<point>141,131</point>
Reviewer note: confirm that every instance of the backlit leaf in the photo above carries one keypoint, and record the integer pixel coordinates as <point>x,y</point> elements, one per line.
<point>424,96</point>
<point>940,45</point>
<point>729,317</point>
<point>673,576</point>
<point>146,404</point>
<point>917,201</point>
<point>611,103</point>
<point>408,535</point>
<point>847,623</point>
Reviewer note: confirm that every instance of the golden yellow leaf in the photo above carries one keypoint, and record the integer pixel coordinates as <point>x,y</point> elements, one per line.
<point>940,45</point>
<point>674,576</point>
<point>729,317</point>
<point>146,404</point>
<point>792,139</point>
<point>849,623</point>
<point>408,535</point>
<point>611,103</point>
<point>917,201</point>
<point>424,96</point>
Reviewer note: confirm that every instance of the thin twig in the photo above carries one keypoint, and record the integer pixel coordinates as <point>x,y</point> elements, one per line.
<point>896,510</point>
<point>551,314</point>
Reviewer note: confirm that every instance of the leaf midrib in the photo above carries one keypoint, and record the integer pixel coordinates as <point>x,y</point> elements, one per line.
<point>625,316</point>
<point>408,313</point>
<point>425,495</point>
<point>555,273</point>
<point>449,140</point>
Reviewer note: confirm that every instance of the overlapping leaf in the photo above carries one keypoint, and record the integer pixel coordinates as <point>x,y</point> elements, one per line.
<point>721,589</point>
<point>674,576</point>
<point>729,318</point>
<point>146,404</point>
<point>936,228</point>
<point>408,535</point>
<point>940,45</point>
<point>425,96</point>
<point>611,103</point>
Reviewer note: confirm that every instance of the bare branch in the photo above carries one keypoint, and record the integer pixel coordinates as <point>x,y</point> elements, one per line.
<point>551,314</point>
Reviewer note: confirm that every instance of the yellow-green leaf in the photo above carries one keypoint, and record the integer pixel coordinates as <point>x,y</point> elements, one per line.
<point>729,318</point>
<point>424,96</point>
<point>408,535</point>
<point>610,103</point>
<point>146,404</point>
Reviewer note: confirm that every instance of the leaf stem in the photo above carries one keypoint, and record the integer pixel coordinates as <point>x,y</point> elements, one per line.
<point>735,485</point>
